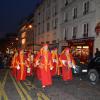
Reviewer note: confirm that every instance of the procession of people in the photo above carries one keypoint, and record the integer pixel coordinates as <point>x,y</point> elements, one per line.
<point>44,65</point>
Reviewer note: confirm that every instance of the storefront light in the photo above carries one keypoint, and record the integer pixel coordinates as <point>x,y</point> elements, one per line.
<point>23,41</point>
<point>85,47</point>
<point>79,47</point>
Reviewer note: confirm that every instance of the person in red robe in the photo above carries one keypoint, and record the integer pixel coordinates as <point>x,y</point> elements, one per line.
<point>67,62</point>
<point>14,64</point>
<point>28,63</point>
<point>54,54</point>
<point>44,62</point>
<point>37,69</point>
<point>21,68</point>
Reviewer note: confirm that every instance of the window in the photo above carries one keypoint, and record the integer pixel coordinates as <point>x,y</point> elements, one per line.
<point>56,23</point>
<point>42,27</point>
<point>65,34</point>
<point>66,2</point>
<point>52,23</point>
<point>55,10</point>
<point>42,42</point>
<point>52,11</point>
<point>48,14</point>
<point>39,30</point>
<point>74,13</point>
<point>54,41</point>
<point>47,42</point>
<point>65,17</point>
<point>74,32</point>
<point>48,26</point>
<point>86,27</point>
<point>43,18</point>
<point>39,18</point>
<point>39,13</point>
<point>86,8</point>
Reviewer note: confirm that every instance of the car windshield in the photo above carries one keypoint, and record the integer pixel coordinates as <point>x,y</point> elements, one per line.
<point>97,59</point>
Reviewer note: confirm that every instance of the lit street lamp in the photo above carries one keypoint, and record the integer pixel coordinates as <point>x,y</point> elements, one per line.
<point>16,39</point>
<point>30,26</point>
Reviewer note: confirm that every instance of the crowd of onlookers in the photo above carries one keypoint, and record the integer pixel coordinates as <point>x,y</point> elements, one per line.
<point>4,60</point>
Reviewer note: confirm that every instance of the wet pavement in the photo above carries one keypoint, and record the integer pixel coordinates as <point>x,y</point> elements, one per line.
<point>30,89</point>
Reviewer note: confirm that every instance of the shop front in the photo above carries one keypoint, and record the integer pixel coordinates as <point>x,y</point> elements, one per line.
<point>82,48</point>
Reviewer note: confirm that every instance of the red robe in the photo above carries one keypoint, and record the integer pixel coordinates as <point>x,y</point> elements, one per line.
<point>21,73</point>
<point>15,62</point>
<point>44,68</point>
<point>37,71</point>
<point>66,70</point>
<point>28,64</point>
<point>54,71</point>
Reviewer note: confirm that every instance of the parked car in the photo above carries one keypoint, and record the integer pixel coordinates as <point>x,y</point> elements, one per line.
<point>81,68</point>
<point>94,69</point>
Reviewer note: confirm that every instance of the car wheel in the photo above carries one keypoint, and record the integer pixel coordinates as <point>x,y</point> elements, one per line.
<point>93,76</point>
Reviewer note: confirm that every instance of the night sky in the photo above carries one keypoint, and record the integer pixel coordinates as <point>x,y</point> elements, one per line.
<point>12,12</point>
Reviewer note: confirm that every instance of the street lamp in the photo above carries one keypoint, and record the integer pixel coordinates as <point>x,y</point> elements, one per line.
<point>16,39</point>
<point>30,26</point>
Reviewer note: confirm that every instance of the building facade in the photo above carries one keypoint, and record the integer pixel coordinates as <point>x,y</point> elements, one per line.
<point>63,23</point>
<point>46,20</point>
<point>78,26</point>
<point>26,33</point>
<point>69,23</point>
<point>79,19</point>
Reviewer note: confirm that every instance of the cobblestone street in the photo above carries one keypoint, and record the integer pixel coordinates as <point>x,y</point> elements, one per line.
<point>31,89</point>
